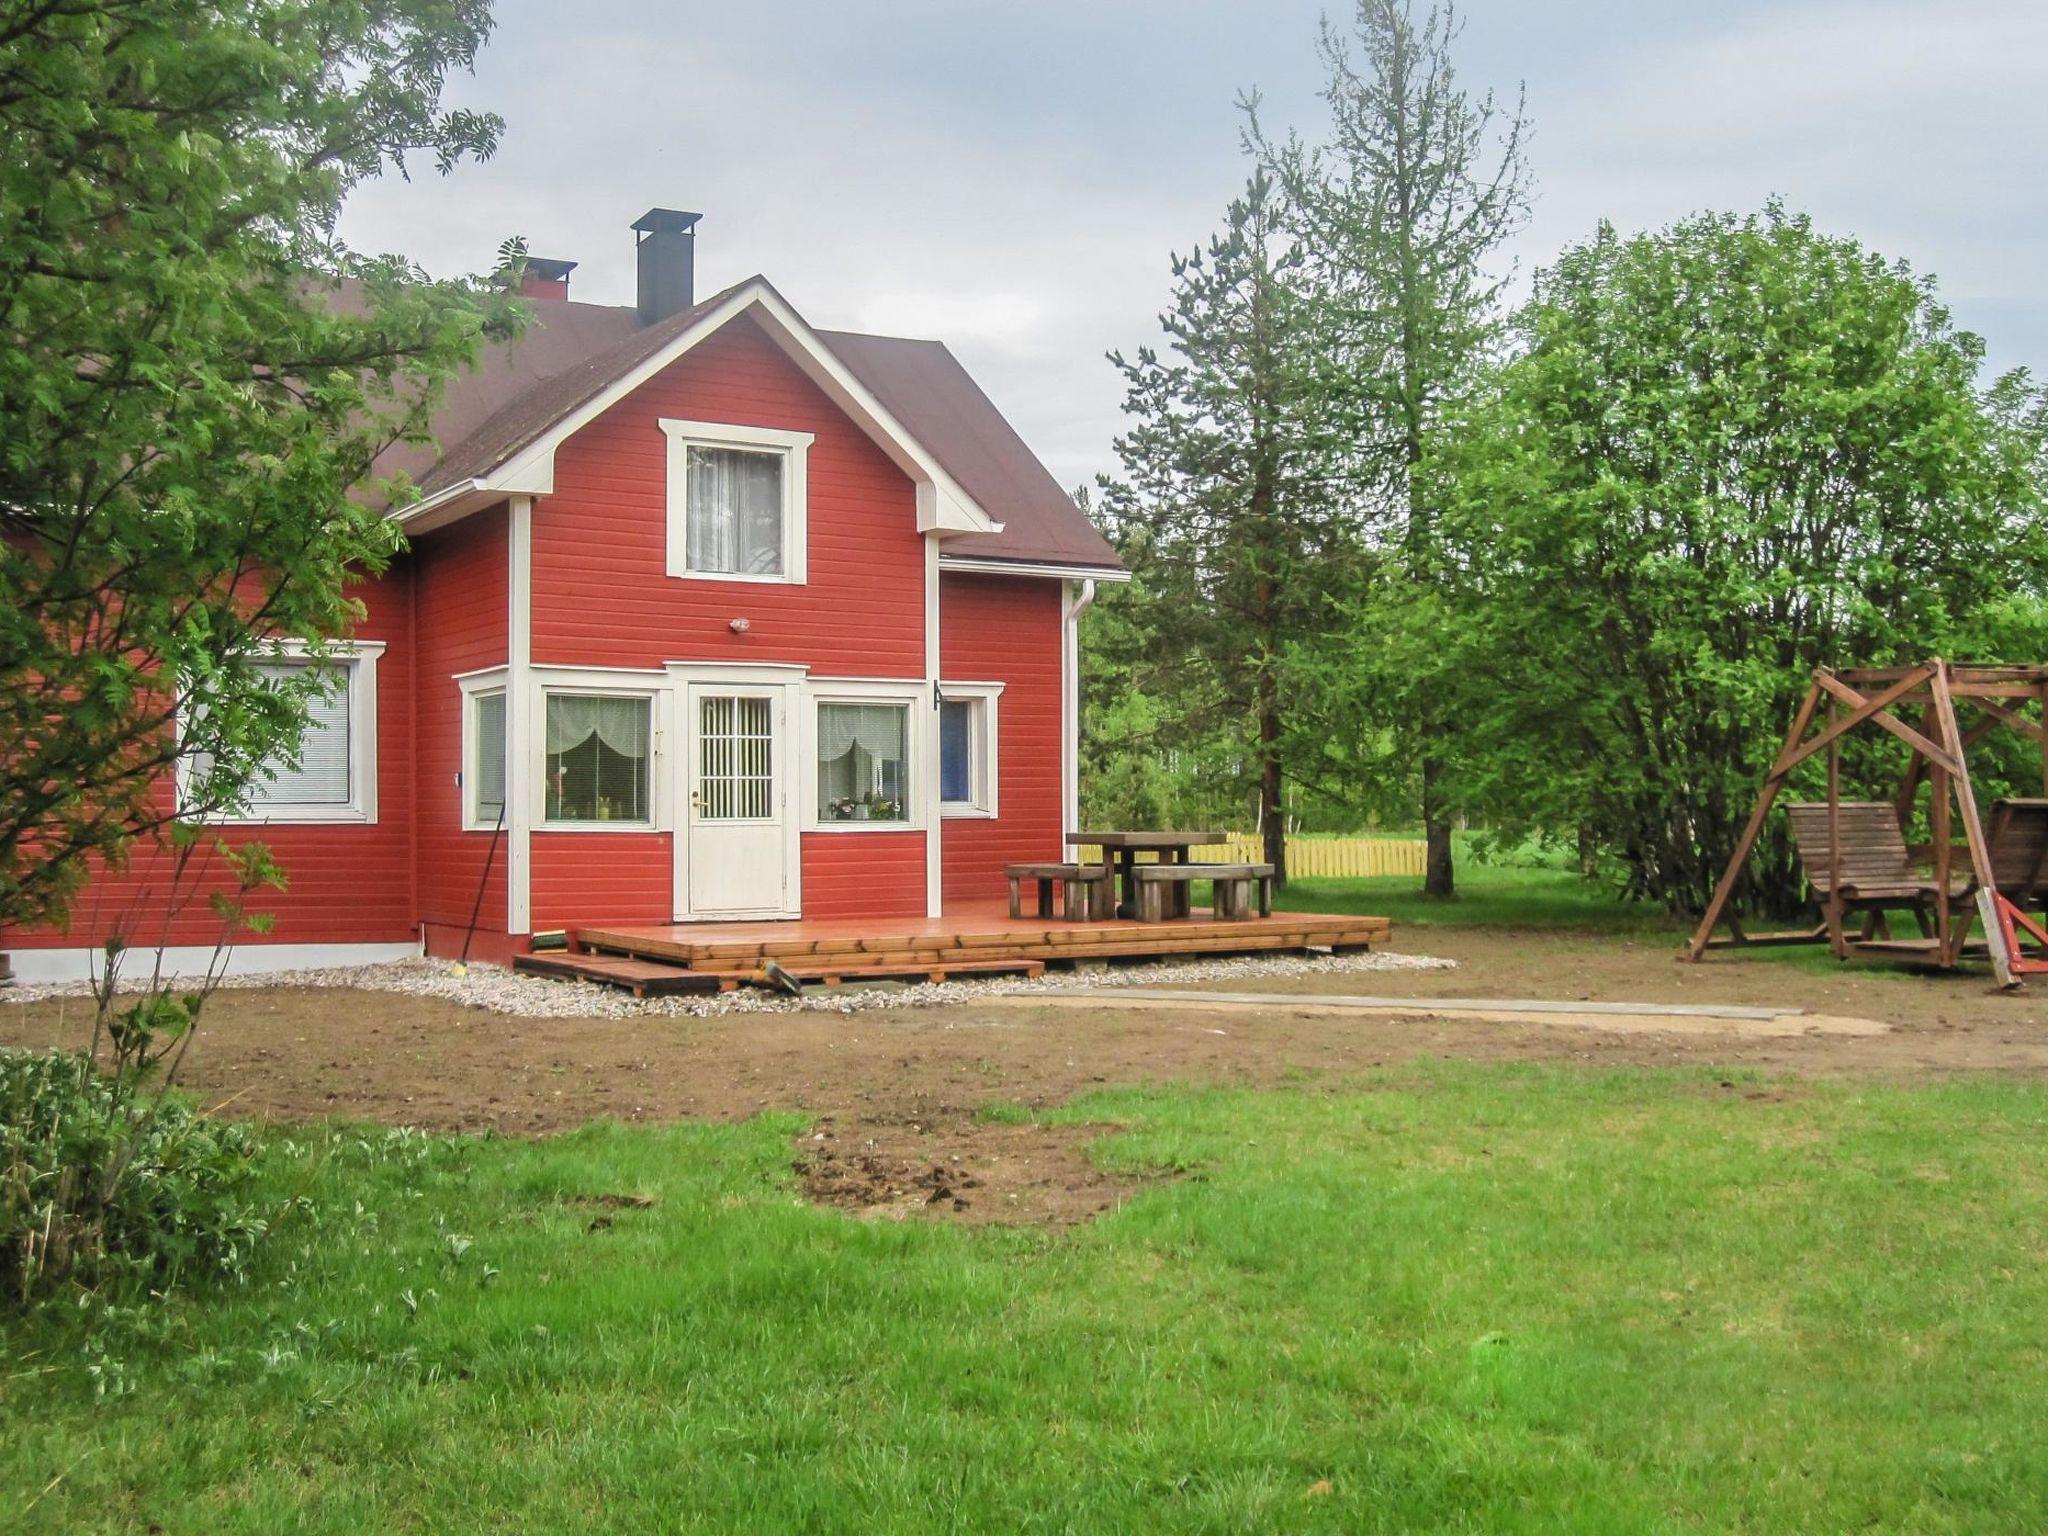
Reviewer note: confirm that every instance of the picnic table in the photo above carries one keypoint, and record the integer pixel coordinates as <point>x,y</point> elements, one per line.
<point>1122,850</point>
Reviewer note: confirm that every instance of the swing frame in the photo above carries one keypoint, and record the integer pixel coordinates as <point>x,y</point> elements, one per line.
<point>1931,691</point>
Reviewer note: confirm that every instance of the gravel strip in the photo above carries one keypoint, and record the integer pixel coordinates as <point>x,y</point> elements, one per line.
<point>500,990</point>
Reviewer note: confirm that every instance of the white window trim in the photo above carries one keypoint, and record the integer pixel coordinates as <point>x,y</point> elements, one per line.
<point>983,757</point>
<point>474,686</point>
<point>590,682</point>
<point>795,450</point>
<point>358,660</point>
<point>912,692</point>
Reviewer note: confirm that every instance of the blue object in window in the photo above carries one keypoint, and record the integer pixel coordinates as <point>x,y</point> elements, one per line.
<point>956,748</point>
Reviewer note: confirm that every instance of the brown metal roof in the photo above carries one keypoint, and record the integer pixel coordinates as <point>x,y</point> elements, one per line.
<point>572,352</point>
<point>940,405</point>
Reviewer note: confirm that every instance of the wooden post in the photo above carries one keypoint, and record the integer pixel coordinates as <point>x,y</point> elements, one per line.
<point>1773,782</point>
<point>1838,941</point>
<point>1973,832</point>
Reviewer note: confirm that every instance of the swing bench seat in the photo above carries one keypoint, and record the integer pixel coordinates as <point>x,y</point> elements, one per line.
<point>1876,871</point>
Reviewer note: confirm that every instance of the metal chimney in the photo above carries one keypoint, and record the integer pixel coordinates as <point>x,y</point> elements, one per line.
<point>667,248</point>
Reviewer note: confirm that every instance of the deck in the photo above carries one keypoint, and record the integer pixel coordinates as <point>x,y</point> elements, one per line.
<point>651,959</point>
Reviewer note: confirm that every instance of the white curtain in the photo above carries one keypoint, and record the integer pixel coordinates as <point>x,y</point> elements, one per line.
<point>861,753</point>
<point>734,519</point>
<point>878,729</point>
<point>620,724</point>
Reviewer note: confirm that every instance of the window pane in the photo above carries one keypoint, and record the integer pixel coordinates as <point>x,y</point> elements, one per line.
<point>956,751</point>
<point>321,777</point>
<point>862,762</point>
<point>597,758</point>
<point>733,503</point>
<point>735,759</point>
<point>489,768</point>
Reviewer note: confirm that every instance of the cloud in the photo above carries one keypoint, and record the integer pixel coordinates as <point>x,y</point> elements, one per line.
<point>1011,179</point>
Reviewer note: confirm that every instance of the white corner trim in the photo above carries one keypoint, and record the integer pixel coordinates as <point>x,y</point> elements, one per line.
<point>520,737</point>
<point>36,967</point>
<point>930,811</point>
<point>794,449</point>
<point>1073,604</point>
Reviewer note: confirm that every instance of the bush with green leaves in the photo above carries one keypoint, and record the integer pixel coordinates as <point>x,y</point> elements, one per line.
<point>99,1186</point>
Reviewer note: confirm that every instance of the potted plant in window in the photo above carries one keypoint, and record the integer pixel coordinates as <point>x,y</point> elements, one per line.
<point>842,808</point>
<point>887,810</point>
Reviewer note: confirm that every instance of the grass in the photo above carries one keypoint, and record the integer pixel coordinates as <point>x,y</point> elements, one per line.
<point>1446,1297</point>
<point>1526,888</point>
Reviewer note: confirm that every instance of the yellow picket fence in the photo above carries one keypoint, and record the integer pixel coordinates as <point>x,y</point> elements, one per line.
<point>1314,857</point>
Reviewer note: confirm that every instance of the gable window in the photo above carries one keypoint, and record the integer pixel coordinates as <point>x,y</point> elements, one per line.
<point>596,769</point>
<point>485,769</point>
<point>967,748</point>
<point>863,763</point>
<point>736,502</point>
<point>332,775</point>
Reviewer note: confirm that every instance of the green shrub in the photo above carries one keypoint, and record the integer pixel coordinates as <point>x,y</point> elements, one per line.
<point>100,1185</point>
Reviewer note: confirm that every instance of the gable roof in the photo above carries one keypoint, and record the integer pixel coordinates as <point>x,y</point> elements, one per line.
<point>498,423</point>
<point>938,400</point>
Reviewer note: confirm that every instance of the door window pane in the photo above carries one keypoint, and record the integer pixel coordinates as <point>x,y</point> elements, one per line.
<point>487,770</point>
<point>734,510</point>
<point>597,758</point>
<point>735,759</point>
<point>862,760</point>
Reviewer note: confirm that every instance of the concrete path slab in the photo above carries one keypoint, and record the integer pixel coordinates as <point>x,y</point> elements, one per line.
<point>1619,1018</point>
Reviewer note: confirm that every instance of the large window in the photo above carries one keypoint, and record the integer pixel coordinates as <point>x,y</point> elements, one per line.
<point>863,762</point>
<point>598,749</point>
<point>332,775</point>
<point>736,502</point>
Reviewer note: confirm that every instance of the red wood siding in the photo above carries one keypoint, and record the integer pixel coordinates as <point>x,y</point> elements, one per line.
<point>349,883</point>
<point>462,614</point>
<point>602,597</point>
<point>585,877</point>
<point>1006,629</point>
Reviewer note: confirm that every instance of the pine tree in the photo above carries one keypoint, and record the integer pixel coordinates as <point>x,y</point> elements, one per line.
<point>1397,217</point>
<point>1225,489</point>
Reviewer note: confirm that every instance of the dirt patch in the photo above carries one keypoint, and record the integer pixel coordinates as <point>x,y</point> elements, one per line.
<point>957,1167</point>
<point>897,1093</point>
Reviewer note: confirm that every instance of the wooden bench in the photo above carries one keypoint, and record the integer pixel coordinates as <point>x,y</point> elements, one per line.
<point>1166,890</point>
<point>1087,893</point>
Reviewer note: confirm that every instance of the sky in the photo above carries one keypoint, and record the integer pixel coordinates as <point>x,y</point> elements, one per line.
<point>1011,176</point>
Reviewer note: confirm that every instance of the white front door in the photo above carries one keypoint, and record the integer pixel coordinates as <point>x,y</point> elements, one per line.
<point>738,846</point>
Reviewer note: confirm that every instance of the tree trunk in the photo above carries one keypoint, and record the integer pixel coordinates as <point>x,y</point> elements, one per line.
<point>1437,879</point>
<point>1272,815</point>
<point>1589,853</point>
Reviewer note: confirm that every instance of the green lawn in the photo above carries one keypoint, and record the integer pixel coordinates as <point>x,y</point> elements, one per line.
<point>1446,1298</point>
<point>1526,888</point>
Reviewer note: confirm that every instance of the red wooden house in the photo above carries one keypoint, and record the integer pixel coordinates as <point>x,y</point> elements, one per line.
<point>706,615</point>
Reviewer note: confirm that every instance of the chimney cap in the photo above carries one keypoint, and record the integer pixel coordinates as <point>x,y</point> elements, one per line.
<point>548,269</point>
<point>666,221</point>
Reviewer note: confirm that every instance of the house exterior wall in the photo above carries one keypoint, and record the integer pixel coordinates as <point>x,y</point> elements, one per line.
<point>350,882</point>
<point>602,598</point>
<point>1006,629</point>
<point>461,618</point>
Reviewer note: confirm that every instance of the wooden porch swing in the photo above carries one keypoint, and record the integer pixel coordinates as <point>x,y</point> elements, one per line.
<point>1854,852</point>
